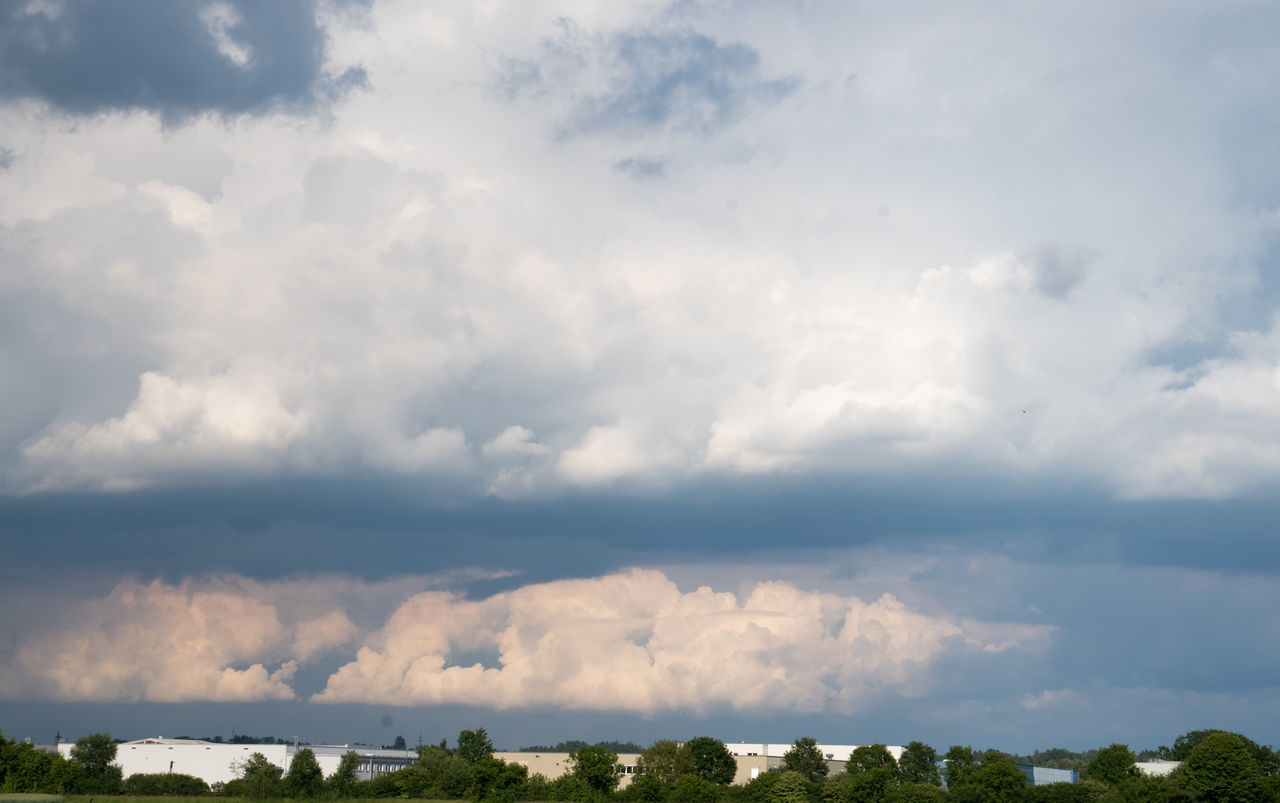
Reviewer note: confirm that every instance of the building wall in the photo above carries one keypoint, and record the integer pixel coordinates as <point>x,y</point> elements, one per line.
<point>207,760</point>
<point>214,762</point>
<point>1039,776</point>
<point>553,765</point>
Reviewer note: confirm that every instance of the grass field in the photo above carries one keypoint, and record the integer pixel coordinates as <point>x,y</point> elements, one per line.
<point>210,798</point>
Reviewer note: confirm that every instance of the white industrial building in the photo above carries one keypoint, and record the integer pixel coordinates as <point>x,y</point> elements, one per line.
<point>216,762</point>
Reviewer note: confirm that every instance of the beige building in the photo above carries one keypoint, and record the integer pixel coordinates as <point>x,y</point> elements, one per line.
<point>553,765</point>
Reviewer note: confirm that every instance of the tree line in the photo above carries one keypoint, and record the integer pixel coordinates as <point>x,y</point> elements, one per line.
<point>1216,766</point>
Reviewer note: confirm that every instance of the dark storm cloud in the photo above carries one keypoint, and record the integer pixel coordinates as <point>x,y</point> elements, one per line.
<point>378,526</point>
<point>87,57</point>
<point>680,80</point>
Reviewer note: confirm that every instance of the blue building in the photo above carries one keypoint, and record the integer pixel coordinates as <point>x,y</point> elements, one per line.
<point>1039,776</point>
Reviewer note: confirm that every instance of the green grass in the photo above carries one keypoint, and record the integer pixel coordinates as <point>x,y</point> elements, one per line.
<point>24,797</point>
<point>201,798</point>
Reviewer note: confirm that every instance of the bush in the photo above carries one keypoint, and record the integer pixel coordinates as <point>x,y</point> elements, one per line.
<point>692,789</point>
<point>173,784</point>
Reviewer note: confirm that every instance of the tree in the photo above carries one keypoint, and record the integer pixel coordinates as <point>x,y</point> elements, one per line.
<point>664,761</point>
<point>474,745</point>
<point>791,787</point>
<point>597,767</point>
<point>1268,760</point>
<point>916,792</point>
<point>760,788</point>
<point>1087,791</point>
<point>343,780</point>
<point>261,778</point>
<point>919,764</point>
<point>710,760</point>
<point>167,784</point>
<point>1112,765</point>
<point>95,753</point>
<point>696,789</point>
<point>805,758</point>
<point>399,744</point>
<point>872,772</point>
<point>493,779</point>
<point>305,778</point>
<point>438,774</point>
<point>996,778</point>
<point>961,765</point>
<point>28,770</point>
<point>1222,768</point>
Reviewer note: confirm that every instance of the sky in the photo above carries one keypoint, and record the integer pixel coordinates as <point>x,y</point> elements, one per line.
<point>576,370</point>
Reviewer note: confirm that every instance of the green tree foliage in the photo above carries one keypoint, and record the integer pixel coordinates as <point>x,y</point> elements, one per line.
<point>840,788</point>
<point>1221,767</point>
<point>919,764</point>
<point>664,762</point>
<point>438,774</point>
<point>695,789</point>
<point>170,784</point>
<point>259,779</point>
<point>573,787</point>
<point>710,760</point>
<point>537,787</point>
<point>95,753</point>
<point>1062,792</point>
<point>869,758</point>
<point>493,779</point>
<point>791,786</point>
<point>1268,760</point>
<point>805,758</point>
<point>871,772</point>
<point>342,782</point>
<point>597,767</point>
<point>995,778</point>
<point>760,788</point>
<point>26,770</point>
<point>474,746</point>
<point>916,792</point>
<point>961,764</point>
<point>1112,765</point>
<point>305,778</point>
<point>646,788</point>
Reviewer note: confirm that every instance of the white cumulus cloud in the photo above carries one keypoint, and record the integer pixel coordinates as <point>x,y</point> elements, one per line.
<point>633,641</point>
<point>156,643</point>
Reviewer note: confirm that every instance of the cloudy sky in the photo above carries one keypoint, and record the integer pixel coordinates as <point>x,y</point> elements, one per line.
<point>867,371</point>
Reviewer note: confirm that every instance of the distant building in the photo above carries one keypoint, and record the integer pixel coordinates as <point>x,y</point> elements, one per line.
<point>1039,776</point>
<point>1157,767</point>
<point>218,762</point>
<point>757,757</point>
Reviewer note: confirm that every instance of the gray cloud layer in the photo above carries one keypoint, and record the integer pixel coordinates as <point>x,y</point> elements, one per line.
<point>175,59</point>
